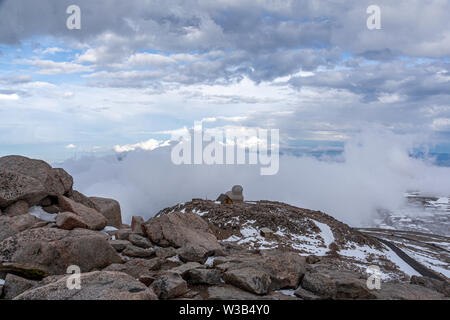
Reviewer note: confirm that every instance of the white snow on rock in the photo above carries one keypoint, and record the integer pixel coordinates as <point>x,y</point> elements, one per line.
<point>175,259</point>
<point>325,233</point>
<point>2,282</point>
<point>232,238</point>
<point>360,252</point>
<point>109,228</point>
<point>287,292</point>
<point>200,213</point>
<point>39,213</point>
<point>209,262</point>
<point>251,236</point>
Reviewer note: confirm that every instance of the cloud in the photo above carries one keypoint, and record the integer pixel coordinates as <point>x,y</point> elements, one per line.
<point>374,172</point>
<point>70,146</point>
<point>50,50</point>
<point>53,67</point>
<point>312,70</point>
<point>150,144</point>
<point>9,96</point>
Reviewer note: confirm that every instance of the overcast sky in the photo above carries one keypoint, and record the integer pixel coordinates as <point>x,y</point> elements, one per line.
<point>139,69</point>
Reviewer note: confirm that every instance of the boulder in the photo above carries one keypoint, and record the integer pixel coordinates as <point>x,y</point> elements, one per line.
<point>10,226</point>
<point>92,218</point>
<point>137,225</point>
<point>433,284</point>
<point>69,221</point>
<point>186,267</point>
<point>137,252</point>
<point>17,208</point>
<point>110,209</point>
<point>406,291</point>
<point>31,180</point>
<point>285,269</point>
<point>192,253</point>
<point>15,285</point>
<point>336,284</point>
<point>169,285</point>
<point>178,229</point>
<point>52,250</point>
<point>119,245</point>
<point>165,253</point>
<point>305,294</point>
<point>137,267</point>
<point>123,234</point>
<point>140,241</point>
<point>249,279</point>
<point>202,276</point>
<point>266,232</point>
<point>15,186</point>
<point>52,209</point>
<point>84,200</point>
<point>97,285</point>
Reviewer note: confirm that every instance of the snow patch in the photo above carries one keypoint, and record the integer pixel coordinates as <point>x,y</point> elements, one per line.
<point>209,262</point>
<point>109,228</point>
<point>325,233</point>
<point>39,213</point>
<point>287,292</point>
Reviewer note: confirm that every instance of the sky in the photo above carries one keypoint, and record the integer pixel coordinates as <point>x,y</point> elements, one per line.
<point>138,71</point>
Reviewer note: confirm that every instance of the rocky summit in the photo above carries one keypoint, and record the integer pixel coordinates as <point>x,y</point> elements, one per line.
<point>56,243</point>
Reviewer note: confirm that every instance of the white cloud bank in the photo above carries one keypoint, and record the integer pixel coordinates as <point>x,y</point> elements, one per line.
<point>376,172</point>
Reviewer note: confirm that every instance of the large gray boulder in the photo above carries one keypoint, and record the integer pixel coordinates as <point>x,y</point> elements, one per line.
<point>180,229</point>
<point>136,267</point>
<point>138,252</point>
<point>250,279</point>
<point>31,180</point>
<point>202,276</point>
<point>406,291</point>
<point>15,285</point>
<point>110,209</point>
<point>272,270</point>
<point>433,284</point>
<point>17,208</point>
<point>169,285</point>
<point>15,186</point>
<point>140,241</point>
<point>69,221</point>
<point>10,226</point>
<point>52,251</point>
<point>93,219</point>
<point>97,285</point>
<point>337,284</point>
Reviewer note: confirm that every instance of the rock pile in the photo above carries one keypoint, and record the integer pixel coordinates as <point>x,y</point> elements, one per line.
<point>197,250</point>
